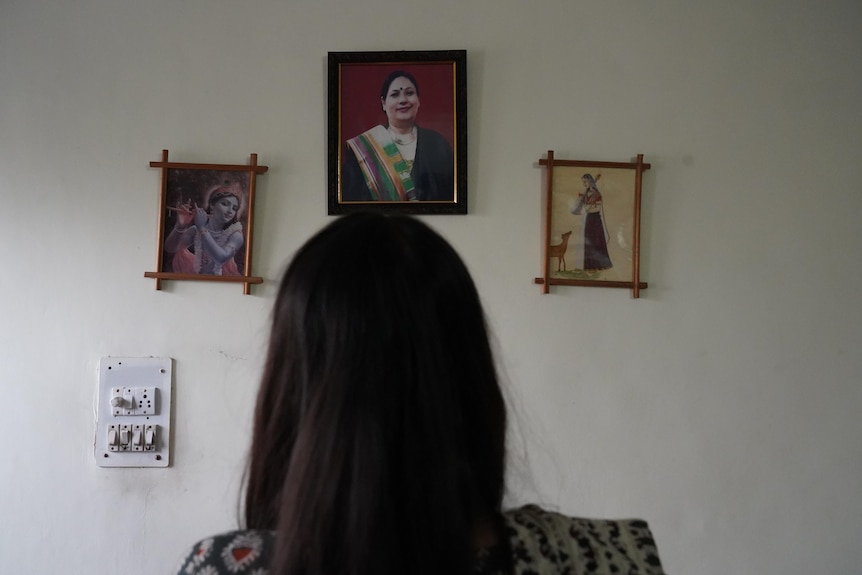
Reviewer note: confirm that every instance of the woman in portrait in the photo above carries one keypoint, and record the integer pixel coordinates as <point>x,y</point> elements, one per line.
<point>205,241</point>
<point>400,161</point>
<point>592,253</point>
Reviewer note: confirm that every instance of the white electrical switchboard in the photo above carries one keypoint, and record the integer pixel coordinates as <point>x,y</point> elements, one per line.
<point>133,417</point>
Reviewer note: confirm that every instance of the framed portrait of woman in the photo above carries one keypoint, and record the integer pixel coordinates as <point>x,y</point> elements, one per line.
<point>397,132</point>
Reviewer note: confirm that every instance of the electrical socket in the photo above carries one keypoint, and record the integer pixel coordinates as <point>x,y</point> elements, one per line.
<point>145,400</point>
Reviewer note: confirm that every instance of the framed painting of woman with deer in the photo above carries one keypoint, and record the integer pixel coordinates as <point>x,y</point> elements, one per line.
<point>592,223</point>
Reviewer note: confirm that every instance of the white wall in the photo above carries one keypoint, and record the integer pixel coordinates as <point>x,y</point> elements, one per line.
<point>723,406</point>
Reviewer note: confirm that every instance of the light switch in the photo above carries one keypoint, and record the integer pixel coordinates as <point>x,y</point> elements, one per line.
<point>137,438</point>
<point>125,437</point>
<point>113,439</point>
<point>150,438</point>
<point>129,401</point>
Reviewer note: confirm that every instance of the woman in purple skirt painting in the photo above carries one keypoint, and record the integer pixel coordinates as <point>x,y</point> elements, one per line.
<point>593,252</point>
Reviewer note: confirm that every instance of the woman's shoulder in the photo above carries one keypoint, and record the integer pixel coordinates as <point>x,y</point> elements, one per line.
<point>236,552</point>
<point>433,147</point>
<point>541,539</point>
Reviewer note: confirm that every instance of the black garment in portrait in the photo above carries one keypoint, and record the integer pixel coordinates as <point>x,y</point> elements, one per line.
<point>433,171</point>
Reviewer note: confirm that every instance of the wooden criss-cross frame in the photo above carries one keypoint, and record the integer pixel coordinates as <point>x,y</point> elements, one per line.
<point>253,169</point>
<point>546,281</point>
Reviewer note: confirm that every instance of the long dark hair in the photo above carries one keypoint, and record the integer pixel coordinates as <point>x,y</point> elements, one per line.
<point>379,432</point>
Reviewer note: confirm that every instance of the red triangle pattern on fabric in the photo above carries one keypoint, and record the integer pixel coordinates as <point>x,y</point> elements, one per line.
<point>240,553</point>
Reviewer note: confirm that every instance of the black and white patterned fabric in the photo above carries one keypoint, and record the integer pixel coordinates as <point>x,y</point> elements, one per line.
<point>538,542</point>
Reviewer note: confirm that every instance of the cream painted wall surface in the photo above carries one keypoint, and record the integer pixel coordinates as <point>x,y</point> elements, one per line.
<point>723,406</point>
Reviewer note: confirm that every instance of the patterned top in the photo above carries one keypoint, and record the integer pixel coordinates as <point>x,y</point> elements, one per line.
<point>537,541</point>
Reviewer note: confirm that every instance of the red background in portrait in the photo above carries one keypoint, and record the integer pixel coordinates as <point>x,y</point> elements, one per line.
<point>360,96</point>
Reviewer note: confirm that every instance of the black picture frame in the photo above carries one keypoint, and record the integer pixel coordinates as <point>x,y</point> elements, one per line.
<point>356,115</point>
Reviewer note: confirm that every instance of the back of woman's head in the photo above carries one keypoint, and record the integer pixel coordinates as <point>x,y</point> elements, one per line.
<point>379,434</point>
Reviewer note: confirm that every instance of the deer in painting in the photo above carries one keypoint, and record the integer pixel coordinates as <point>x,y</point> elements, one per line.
<point>559,251</point>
